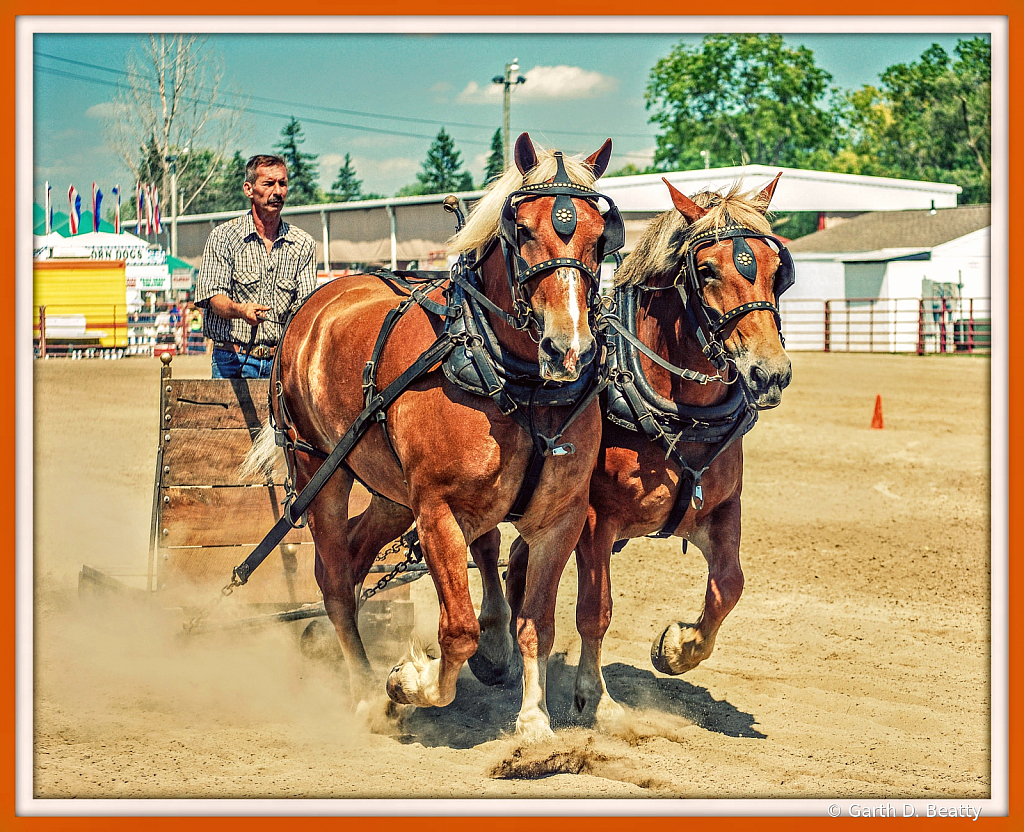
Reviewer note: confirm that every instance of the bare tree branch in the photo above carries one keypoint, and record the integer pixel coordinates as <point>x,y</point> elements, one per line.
<point>172,99</point>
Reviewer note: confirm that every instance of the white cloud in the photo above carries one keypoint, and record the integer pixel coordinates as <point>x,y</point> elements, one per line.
<point>105,109</point>
<point>545,83</point>
<point>475,94</point>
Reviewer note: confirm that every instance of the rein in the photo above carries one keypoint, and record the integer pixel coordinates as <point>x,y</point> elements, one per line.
<point>634,404</point>
<point>497,375</point>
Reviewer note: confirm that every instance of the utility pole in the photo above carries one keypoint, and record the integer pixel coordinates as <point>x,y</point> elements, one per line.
<point>173,160</point>
<point>508,83</point>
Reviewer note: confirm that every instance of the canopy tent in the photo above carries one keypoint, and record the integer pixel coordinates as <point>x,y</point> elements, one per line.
<point>62,223</point>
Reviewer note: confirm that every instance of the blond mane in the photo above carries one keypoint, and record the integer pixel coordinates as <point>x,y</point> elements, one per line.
<point>484,219</point>
<point>663,245</point>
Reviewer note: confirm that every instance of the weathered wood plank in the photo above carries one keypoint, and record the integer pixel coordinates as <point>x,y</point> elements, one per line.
<point>226,516</point>
<point>216,403</point>
<point>229,516</point>
<point>208,457</point>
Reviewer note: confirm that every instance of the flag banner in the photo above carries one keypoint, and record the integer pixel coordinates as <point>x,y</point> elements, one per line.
<point>75,214</point>
<point>96,210</point>
<point>95,226</point>
<point>48,211</point>
<point>149,209</point>
<point>116,191</point>
<point>156,211</point>
<point>138,207</point>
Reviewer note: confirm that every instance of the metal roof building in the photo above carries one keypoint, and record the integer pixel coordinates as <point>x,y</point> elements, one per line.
<point>398,230</point>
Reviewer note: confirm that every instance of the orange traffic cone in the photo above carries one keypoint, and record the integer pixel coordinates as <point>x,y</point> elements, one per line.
<point>876,420</point>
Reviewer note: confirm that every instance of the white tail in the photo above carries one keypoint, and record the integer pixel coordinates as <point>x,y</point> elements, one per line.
<point>263,457</point>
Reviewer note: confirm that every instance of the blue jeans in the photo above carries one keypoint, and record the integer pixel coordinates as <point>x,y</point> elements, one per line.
<point>228,364</point>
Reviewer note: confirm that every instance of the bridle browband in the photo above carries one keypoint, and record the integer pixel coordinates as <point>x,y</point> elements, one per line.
<point>563,220</point>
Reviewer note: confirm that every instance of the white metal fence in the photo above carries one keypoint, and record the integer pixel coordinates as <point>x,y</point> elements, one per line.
<point>915,325</point>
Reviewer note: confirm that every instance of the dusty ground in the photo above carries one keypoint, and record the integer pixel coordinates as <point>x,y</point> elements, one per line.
<point>855,665</point>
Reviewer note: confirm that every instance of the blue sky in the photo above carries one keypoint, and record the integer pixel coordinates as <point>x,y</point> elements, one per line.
<point>398,90</point>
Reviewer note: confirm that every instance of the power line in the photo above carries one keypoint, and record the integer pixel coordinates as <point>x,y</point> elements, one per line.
<point>325,108</point>
<point>237,108</point>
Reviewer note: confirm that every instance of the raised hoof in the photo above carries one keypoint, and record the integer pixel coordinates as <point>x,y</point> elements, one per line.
<point>494,674</point>
<point>679,648</point>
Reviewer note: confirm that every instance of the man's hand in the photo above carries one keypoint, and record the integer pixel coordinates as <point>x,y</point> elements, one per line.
<point>251,313</point>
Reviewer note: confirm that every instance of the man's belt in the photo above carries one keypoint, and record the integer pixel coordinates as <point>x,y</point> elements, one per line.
<point>261,351</point>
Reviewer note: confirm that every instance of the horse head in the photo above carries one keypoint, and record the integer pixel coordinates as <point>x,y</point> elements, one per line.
<point>733,274</point>
<point>548,219</point>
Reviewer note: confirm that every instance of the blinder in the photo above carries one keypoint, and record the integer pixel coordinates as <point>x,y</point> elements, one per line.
<point>743,256</point>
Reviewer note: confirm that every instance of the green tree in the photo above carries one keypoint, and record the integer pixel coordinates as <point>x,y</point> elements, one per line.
<point>226,187</point>
<point>628,169</point>
<point>442,168</point>
<point>346,187</point>
<point>302,177</point>
<point>496,161</point>
<point>930,119</point>
<point>746,98</point>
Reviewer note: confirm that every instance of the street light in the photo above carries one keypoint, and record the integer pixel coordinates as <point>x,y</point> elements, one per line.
<point>173,161</point>
<point>508,83</point>
<point>706,156</point>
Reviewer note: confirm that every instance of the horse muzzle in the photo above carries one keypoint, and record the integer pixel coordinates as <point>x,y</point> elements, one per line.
<point>766,379</point>
<point>563,365</point>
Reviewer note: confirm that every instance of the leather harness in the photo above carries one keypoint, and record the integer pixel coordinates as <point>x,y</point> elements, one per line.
<point>470,354</point>
<point>633,403</point>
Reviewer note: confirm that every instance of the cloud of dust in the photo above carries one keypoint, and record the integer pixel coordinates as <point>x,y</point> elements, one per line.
<point>103,664</point>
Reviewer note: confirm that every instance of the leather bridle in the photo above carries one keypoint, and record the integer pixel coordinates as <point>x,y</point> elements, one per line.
<point>563,220</point>
<point>708,323</point>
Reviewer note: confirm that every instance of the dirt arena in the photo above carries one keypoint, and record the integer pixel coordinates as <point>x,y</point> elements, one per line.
<point>855,665</point>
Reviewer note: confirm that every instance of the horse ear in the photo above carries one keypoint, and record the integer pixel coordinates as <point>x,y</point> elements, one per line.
<point>764,199</point>
<point>599,161</point>
<point>526,156</point>
<point>684,205</point>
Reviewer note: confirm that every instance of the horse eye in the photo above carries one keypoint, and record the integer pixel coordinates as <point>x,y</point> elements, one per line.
<point>705,273</point>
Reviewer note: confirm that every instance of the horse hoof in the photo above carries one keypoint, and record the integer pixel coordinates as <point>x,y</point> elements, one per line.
<point>533,730</point>
<point>492,674</point>
<point>678,649</point>
<point>397,684</point>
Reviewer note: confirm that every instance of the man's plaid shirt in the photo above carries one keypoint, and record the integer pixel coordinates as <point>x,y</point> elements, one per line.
<point>236,264</point>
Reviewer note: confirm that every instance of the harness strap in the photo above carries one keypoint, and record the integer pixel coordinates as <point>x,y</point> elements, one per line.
<point>544,446</point>
<point>636,343</point>
<point>293,513</point>
<point>743,309</point>
<point>518,320</point>
<point>534,469</point>
<point>694,495</point>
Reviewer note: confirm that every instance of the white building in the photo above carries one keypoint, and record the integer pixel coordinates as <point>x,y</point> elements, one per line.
<point>916,279</point>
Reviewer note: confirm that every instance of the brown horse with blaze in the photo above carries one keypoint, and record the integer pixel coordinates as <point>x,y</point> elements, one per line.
<point>447,460</point>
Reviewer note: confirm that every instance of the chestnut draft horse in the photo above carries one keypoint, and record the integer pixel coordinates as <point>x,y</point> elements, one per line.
<point>451,461</point>
<point>696,352</point>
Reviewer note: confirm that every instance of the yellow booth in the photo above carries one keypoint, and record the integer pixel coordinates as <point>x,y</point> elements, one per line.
<point>80,301</point>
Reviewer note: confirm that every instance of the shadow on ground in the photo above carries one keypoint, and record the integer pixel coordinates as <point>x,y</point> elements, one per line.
<point>481,714</point>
